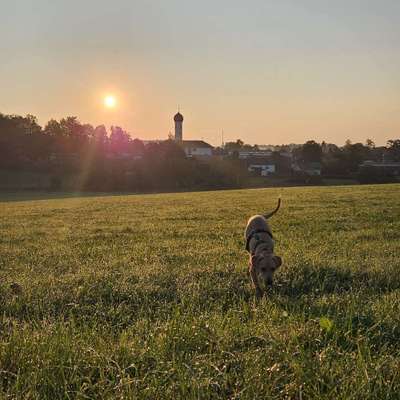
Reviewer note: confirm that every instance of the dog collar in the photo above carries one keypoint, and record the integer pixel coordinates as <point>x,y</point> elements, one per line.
<point>254,234</point>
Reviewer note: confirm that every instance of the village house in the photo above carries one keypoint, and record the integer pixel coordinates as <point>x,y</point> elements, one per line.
<point>307,168</point>
<point>254,153</point>
<point>261,165</point>
<point>381,168</point>
<point>192,148</point>
<point>313,169</point>
<point>197,148</point>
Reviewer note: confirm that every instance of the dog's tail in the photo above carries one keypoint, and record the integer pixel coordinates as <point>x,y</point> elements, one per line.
<point>269,215</point>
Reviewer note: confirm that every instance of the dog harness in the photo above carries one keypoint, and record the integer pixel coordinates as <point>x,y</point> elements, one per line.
<point>255,235</point>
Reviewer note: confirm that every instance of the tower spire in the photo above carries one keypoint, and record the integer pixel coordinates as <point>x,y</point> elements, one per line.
<point>178,119</point>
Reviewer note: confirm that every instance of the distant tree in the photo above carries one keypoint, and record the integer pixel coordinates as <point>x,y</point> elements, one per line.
<point>53,128</point>
<point>34,144</point>
<point>311,151</point>
<point>354,155</point>
<point>284,148</point>
<point>393,144</point>
<point>30,124</point>
<point>233,146</point>
<point>332,160</point>
<point>239,142</point>
<point>98,142</point>
<point>370,143</point>
<point>171,149</point>
<point>219,151</point>
<point>58,136</point>
<point>69,135</point>
<point>137,147</point>
<point>347,159</point>
<point>249,147</point>
<point>394,149</point>
<point>100,135</point>
<point>166,150</point>
<point>75,129</point>
<point>119,140</point>
<point>88,131</point>
<point>21,140</point>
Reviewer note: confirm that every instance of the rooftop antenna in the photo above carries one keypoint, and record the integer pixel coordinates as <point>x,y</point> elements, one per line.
<point>222,138</point>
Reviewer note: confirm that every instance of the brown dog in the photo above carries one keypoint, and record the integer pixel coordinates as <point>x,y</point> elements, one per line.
<point>260,245</point>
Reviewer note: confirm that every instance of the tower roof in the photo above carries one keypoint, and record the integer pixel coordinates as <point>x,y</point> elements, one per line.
<point>178,117</point>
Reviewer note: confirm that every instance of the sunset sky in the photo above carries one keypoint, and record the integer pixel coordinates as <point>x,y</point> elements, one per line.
<point>266,71</point>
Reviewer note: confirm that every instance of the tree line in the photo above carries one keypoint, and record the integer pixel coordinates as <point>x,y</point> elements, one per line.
<point>350,160</point>
<point>79,156</point>
<point>333,161</point>
<point>347,159</point>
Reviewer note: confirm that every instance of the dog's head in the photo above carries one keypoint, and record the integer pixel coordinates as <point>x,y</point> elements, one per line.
<point>266,264</point>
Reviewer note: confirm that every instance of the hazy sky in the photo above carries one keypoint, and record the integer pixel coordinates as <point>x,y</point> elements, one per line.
<point>266,71</point>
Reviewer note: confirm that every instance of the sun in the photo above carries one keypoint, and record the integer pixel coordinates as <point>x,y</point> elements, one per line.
<point>110,101</point>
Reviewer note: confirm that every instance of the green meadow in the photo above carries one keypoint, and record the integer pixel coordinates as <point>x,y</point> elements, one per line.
<point>148,296</point>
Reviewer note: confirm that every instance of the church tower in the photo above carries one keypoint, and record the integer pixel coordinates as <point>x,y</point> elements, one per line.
<point>178,118</point>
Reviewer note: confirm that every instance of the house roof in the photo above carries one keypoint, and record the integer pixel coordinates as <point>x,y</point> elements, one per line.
<point>254,154</point>
<point>195,143</point>
<point>379,164</point>
<point>260,161</point>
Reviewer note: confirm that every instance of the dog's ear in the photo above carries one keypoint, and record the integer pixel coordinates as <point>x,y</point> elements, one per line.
<point>278,261</point>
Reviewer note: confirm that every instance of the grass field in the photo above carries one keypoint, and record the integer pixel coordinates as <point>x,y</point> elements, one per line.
<point>148,296</point>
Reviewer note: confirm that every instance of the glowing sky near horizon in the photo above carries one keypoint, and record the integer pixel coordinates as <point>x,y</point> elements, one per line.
<point>265,71</point>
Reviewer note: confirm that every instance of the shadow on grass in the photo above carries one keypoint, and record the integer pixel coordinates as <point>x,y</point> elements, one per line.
<point>345,297</point>
<point>323,280</point>
<point>9,197</point>
<point>118,301</point>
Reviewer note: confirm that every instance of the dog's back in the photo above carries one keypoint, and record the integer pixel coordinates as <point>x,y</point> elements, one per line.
<point>258,229</point>
<point>256,223</point>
